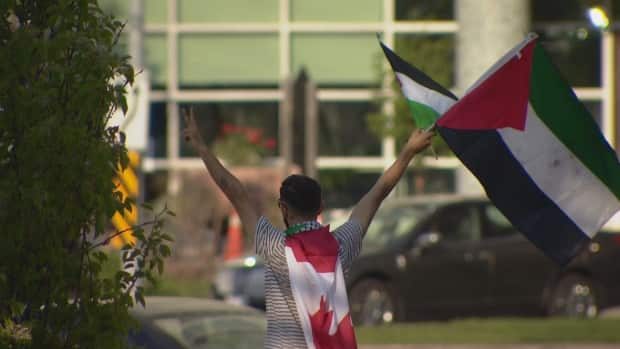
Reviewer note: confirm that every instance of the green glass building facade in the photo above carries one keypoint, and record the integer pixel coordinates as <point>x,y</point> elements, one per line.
<point>230,58</point>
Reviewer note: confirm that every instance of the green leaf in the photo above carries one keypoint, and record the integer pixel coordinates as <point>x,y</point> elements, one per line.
<point>164,250</point>
<point>160,265</point>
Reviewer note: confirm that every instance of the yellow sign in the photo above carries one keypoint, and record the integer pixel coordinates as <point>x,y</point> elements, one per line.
<point>127,183</point>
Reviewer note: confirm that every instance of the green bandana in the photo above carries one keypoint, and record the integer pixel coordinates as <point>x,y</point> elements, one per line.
<point>301,227</point>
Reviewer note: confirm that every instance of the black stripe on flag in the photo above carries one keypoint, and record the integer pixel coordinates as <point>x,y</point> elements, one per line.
<point>515,193</point>
<point>400,65</point>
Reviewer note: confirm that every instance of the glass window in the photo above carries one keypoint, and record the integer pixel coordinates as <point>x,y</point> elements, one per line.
<point>427,180</point>
<point>407,10</point>
<point>558,10</point>
<point>155,11</point>
<point>228,59</point>
<point>576,52</point>
<point>342,188</point>
<point>431,53</point>
<point>155,185</point>
<point>594,107</point>
<point>496,223</point>
<point>156,59</point>
<point>338,11</point>
<point>221,331</point>
<point>393,224</point>
<point>344,60</point>
<point>343,130</point>
<point>117,8</point>
<point>158,125</point>
<point>240,133</point>
<point>459,223</point>
<point>568,36</point>
<point>228,11</point>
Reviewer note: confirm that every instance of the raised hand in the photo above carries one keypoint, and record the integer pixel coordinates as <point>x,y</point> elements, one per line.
<point>191,133</point>
<point>419,140</point>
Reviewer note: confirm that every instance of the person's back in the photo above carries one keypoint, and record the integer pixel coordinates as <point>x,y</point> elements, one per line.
<point>284,327</point>
<point>307,304</point>
<point>315,248</point>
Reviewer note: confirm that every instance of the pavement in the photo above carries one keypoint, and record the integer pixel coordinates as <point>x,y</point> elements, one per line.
<point>611,312</point>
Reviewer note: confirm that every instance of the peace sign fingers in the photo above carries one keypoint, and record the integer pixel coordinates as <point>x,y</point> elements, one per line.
<point>188,116</point>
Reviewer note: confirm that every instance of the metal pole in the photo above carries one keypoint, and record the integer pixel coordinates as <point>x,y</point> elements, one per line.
<point>311,124</point>
<point>286,117</point>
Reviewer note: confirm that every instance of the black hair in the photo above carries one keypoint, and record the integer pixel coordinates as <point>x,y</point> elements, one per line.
<point>301,193</point>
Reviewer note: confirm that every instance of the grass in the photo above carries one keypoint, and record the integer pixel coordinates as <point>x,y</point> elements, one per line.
<point>467,331</point>
<point>166,285</point>
<point>172,286</point>
<point>495,331</point>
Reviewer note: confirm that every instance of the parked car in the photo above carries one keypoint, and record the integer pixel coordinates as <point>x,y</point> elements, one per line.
<point>445,256</point>
<point>442,256</point>
<point>241,281</point>
<point>192,323</point>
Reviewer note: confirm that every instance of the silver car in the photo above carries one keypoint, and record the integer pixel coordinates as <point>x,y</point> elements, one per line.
<point>192,323</point>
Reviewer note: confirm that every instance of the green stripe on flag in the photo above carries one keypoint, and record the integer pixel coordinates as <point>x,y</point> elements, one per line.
<point>558,107</point>
<point>423,115</point>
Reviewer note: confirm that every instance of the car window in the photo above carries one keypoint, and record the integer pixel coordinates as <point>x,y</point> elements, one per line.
<point>458,223</point>
<point>392,224</point>
<point>496,223</point>
<point>215,332</point>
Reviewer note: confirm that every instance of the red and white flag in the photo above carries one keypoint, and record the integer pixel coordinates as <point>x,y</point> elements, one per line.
<point>317,283</point>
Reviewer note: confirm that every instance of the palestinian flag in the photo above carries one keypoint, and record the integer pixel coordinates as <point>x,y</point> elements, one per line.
<point>319,290</point>
<point>426,98</point>
<point>537,151</point>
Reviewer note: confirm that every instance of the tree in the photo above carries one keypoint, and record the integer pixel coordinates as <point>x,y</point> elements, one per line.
<point>57,160</point>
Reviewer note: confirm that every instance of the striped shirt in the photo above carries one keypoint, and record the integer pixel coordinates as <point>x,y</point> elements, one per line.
<point>283,325</point>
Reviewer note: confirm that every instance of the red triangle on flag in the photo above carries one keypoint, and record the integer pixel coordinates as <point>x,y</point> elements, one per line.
<point>488,106</point>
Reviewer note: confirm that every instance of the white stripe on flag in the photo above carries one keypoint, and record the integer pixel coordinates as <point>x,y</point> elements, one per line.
<point>308,286</point>
<point>424,95</point>
<point>560,175</point>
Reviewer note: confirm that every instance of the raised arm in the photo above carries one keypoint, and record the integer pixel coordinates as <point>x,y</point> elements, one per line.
<point>230,185</point>
<point>366,208</point>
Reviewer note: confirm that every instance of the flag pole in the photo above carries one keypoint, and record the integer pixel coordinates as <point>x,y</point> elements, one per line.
<point>432,128</point>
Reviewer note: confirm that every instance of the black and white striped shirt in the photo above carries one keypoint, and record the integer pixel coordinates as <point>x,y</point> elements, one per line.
<point>283,325</point>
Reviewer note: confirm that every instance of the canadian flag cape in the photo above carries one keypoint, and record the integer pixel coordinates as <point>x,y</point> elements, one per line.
<point>317,283</point>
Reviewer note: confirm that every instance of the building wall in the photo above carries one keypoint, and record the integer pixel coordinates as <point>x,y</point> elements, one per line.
<point>230,58</point>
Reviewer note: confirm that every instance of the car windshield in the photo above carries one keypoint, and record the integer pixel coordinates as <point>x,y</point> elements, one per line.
<point>392,224</point>
<point>215,332</point>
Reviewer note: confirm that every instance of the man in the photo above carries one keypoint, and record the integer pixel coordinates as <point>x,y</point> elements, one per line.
<point>306,299</point>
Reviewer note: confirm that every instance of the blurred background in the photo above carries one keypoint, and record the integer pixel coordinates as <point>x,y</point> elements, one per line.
<point>298,86</point>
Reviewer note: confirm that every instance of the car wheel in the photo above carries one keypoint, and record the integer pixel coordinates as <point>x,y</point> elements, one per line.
<point>574,296</point>
<point>372,303</point>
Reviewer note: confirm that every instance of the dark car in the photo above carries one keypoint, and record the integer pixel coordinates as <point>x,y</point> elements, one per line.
<point>437,257</point>
<point>192,323</point>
